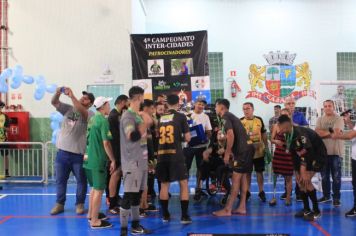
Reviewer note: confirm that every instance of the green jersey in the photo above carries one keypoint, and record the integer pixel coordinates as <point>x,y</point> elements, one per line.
<point>98,131</point>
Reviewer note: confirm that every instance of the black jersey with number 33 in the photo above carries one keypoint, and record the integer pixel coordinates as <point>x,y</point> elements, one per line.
<point>172,127</point>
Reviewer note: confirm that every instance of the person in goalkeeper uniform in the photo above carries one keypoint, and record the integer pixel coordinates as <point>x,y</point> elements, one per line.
<point>309,155</point>
<point>173,130</point>
<point>155,68</point>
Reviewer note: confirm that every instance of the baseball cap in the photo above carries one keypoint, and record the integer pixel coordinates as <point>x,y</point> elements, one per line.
<point>201,100</point>
<point>99,101</point>
<point>90,96</point>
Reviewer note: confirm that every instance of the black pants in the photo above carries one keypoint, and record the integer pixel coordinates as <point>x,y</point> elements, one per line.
<point>151,185</point>
<point>190,153</point>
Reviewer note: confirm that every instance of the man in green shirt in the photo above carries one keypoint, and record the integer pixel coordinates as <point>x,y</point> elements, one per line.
<point>99,150</point>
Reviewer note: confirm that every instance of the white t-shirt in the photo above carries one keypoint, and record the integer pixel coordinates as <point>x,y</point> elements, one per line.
<point>354,146</point>
<point>202,119</point>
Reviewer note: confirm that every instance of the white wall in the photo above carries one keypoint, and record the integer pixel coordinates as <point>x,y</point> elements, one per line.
<point>244,30</point>
<point>138,17</point>
<point>69,42</point>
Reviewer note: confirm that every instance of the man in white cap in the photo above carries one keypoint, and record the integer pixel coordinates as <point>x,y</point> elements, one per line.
<point>99,152</point>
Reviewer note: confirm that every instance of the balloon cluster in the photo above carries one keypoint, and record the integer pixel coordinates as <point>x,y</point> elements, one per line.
<point>56,120</point>
<point>16,77</point>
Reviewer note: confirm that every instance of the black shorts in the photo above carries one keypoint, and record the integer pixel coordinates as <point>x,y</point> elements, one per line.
<point>259,164</point>
<point>170,171</point>
<point>297,163</point>
<point>244,166</point>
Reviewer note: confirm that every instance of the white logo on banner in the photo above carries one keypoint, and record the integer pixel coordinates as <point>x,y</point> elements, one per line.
<point>199,83</point>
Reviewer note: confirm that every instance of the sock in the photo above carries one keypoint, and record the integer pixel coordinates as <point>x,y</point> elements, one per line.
<point>124,217</point>
<point>113,202</point>
<point>184,206</point>
<point>135,213</point>
<point>304,196</point>
<point>312,196</point>
<point>164,206</point>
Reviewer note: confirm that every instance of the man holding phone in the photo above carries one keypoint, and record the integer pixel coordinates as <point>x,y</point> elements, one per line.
<point>71,145</point>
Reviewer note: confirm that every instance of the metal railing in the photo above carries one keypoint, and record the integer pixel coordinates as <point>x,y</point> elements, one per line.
<point>51,152</point>
<point>34,162</point>
<point>27,162</point>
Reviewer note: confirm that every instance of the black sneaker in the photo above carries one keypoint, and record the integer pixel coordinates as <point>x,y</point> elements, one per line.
<point>224,200</point>
<point>324,199</point>
<point>262,196</point>
<point>140,230</point>
<point>104,224</point>
<point>336,203</point>
<point>317,215</point>
<point>143,213</point>
<point>298,198</point>
<point>302,213</point>
<point>124,232</point>
<point>114,210</point>
<point>311,216</point>
<point>151,207</point>
<point>283,196</point>
<point>186,220</point>
<point>248,196</point>
<point>351,213</point>
<point>198,196</point>
<point>166,218</point>
<point>101,216</point>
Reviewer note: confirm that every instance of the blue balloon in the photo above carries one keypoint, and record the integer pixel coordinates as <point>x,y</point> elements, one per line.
<point>40,80</point>
<point>4,87</point>
<point>28,79</point>
<point>39,95</point>
<point>18,70</point>
<point>56,116</point>
<point>15,85</point>
<point>59,117</point>
<point>51,88</point>
<point>16,82</point>
<point>53,116</point>
<point>54,125</point>
<point>54,136</point>
<point>7,72</point>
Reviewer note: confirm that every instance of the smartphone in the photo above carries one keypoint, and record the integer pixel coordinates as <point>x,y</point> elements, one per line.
<point>345,112</point>
<point>62,89</point>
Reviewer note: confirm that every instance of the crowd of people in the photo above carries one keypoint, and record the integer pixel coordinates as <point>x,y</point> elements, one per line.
<point>140,142</point>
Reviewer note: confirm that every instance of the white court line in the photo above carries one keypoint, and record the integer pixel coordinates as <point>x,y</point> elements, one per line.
<point>39,194</point>
<point>73,194</point>
<point>3,196</point>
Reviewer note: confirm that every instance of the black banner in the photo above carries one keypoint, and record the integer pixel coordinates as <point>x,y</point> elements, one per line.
<point>175,62</point>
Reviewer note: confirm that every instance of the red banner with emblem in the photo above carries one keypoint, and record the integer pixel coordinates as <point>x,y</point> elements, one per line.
<point>267,97</point>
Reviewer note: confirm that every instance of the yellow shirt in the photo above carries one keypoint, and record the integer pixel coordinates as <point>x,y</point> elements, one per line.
<point>255,128</point>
